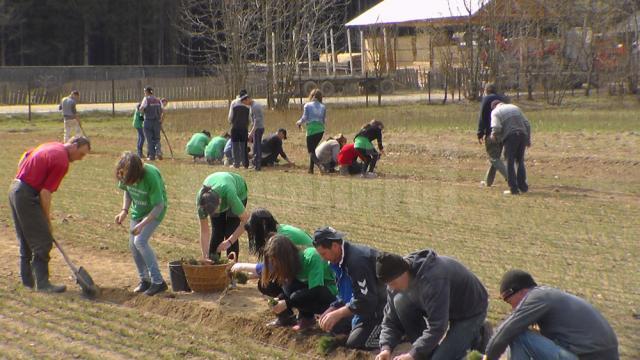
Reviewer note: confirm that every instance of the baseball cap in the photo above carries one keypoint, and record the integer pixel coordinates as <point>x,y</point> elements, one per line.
<point>514,281</point>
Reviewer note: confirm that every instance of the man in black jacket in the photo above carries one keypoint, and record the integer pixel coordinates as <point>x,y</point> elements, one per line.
<point>361,296</point>
<point>272,148</point>
<point>239,118</point>
<point>435,302</point>
<point>492,146</point>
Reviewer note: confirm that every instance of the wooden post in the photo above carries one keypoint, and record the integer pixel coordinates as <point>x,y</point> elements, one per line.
<point>29,97</point>
<point>366,88</point>
<point>363,54</point>
<point>309,52</point>
<point>273,59</point>
<point>113,98</point>
<point>429,85</point>
<point>333,53</point>
<point>326,53</point>
<point>350,56</point>
<point>386,49</point>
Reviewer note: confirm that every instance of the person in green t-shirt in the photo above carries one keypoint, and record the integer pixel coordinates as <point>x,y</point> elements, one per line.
<point>307,282</point>
<point>313,117</point>
<point>138,118</point>
<point>214,152</point>
<point>196,145</point>
<point>223,198</point>
<point>146,197</point>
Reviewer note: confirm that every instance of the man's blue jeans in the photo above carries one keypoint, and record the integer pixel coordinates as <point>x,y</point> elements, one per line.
<point>531,345</point>
<point>143,254</point>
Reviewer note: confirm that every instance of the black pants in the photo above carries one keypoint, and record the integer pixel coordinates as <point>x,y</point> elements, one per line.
<point>370,157</point>
<point>269,160</point>
<point>224,225</point>
<point>239,139</point>
<point>364,334</point>
<point>32,231</point>
<point>312,143</point>
<point>308,301</point>
<point>257,147</point>
<point>514,147</point>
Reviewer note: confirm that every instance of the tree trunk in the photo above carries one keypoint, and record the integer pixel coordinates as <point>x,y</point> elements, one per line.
<point>86,29</point>
<point>139,41</point>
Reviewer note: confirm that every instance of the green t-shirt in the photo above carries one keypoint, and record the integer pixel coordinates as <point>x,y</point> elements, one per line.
<point>215,148</point>
<point>362,142</point>
<point>138,118</point>
<point>315,271</point>
<point>231,188</point>
<point>147,193</point>
<point>315,127</point>
<point>197,144</point>
<point>297,236</point>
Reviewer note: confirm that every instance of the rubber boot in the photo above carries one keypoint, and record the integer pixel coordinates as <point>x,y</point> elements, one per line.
<point>26,272</point>
<point>41,274</point>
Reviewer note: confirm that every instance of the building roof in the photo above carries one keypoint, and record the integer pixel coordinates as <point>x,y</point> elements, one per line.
<point>410,12</point>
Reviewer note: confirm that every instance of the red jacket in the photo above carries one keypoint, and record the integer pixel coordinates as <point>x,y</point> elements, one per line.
<point>348,155</point>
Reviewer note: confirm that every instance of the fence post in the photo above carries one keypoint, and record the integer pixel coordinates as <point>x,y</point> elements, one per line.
<point>366,88</point>
<point>113,98</point>
<point>429,85</point>
<point>29,97</point>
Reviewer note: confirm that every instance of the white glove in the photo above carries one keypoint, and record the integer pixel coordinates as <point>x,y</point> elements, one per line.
<point>245,267</point>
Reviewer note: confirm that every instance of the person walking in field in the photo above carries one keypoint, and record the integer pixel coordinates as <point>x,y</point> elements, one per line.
<point>492,147</point>
<point>434,302</point>
<point>40,172</point>
<point>327,152</point>
<point>197,144</point>
<point>214,152</point>
<point>570,327</point>
<point>314,118</point>
<point>145,197</point>
<point>272,147</point>
<point>222,198</point>
<point>364,146</point>
<point>151,107</point>
<point>138,119</point>
<point>256,133</point>
<point>510,126</point>
<point>261,227</point>
<point>358,311</point>
<point>307,282</point>
<point>239,118</point>
<point>70,115</point>
<point>348,160</point>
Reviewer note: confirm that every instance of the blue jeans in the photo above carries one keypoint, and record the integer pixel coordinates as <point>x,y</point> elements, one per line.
<point>140,143</point>
<point>143,254</point>
<point>152,134</point>
<point>458,339</point>
<point>531,345</point>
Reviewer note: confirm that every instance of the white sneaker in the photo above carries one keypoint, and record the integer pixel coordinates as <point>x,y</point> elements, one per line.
<point>483,183</point>
<point>508,192</point>
<point>226,162</point>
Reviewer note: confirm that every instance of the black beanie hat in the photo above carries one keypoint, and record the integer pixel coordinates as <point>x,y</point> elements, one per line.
<point>390,266</point>
<point>514,281</point>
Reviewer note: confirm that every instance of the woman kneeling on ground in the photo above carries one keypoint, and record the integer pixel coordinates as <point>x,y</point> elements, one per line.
<point>146,197</point>
<point>364,145</point>
<point>327,152</point>
<point>260,227</point>
<point>307,282</point>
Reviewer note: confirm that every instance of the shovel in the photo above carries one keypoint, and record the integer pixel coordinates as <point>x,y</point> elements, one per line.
<point>89,288</point>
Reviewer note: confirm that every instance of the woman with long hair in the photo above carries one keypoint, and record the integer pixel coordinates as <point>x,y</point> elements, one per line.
<point>146,197</point>
<point>313,117</point>
<point>364,145</point>
<point>307,282</point>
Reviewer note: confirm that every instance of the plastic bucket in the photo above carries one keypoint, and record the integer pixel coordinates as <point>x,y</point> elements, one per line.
<point>178,280</point>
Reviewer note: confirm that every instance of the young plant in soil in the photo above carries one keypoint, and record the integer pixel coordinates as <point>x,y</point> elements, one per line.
<point>241,278</point>
<point>327,344</point>
<point>474,355</point>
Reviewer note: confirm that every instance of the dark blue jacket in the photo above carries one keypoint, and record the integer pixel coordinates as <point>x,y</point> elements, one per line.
<point>484,120</point>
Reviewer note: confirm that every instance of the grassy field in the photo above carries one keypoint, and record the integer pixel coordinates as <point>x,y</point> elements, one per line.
<point>577,229</point>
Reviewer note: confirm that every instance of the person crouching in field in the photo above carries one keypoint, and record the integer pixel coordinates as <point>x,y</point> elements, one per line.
<point>138,119</point>
<point>570,327</point>
<point>146,197</point>
<point>307,282</point>
<point>359,309</point>
<point>434,302</point>
<point>196,145</point>
<point>327,152</point>
<point>214,152</point>
<point>363,144</point>
<point>223,198</point>
<point>348,160</point>
<point>260,227</point>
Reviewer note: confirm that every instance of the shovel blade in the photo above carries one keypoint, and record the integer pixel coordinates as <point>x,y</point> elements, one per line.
<point>89,288</point>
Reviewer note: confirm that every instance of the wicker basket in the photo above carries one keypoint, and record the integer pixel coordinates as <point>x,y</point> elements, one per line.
<point>207,278</point>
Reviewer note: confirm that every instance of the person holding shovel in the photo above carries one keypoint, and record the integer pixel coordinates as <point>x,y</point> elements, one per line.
<point>145,195</point>
<point>40,172</point>
<point>223,198</point>
<point>151,107</point>
<point>307,282</point>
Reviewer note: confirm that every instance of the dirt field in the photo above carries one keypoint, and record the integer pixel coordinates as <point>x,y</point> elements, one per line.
<point>577,229</point>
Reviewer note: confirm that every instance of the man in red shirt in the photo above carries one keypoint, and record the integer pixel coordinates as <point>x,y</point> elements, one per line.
<point>40,172</point>
<point>347,159</point>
